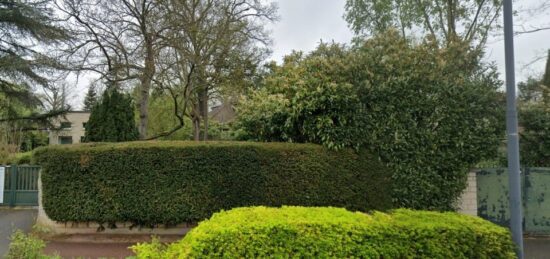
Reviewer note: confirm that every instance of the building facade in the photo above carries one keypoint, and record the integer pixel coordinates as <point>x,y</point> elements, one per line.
<point>69,128</point>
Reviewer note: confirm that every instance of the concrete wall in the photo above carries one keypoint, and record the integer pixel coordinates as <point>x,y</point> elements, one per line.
<point>467,204</point>
<point>76,131</point>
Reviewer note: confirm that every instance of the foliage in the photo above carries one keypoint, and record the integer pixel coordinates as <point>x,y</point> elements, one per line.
<point>260,232</point>
<point>534,119</point>
<point>26,247</point>
<point>307,99</point>
<point>28,27</point>
<point>445,21</point>
<point>34,139</point>
<point>535,136</point>
<point>430,129</point>
<point>151,183</point>
<point>7,158</point>
<point>214,49</point>
<point>193,51</point>
<point>531,91</point>
<point>387,95</point>
<point>151,250</point>
<point>164,120</point>
<point>90,100</point>
<point>112,119</point>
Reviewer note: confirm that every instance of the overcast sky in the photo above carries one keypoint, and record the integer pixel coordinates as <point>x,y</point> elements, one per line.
<point>304,23</point>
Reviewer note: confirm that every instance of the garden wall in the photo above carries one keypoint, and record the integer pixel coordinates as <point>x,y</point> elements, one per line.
<point>467,203</point>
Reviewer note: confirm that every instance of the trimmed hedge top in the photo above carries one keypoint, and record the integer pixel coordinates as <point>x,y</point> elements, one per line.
<point>260,232</point>
<point>151,183</point>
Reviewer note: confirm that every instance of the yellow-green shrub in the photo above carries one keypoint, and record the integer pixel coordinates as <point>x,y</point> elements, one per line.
<point>300,232</point>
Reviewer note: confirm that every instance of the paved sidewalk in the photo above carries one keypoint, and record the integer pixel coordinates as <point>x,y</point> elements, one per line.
<point>88,250</point>
<point>12,219</point>
<point>98,245</point>
<point>537,248</point>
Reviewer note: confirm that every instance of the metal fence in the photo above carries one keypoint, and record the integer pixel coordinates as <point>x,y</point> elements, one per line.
<point>492,198</point>
<point>21,185</point>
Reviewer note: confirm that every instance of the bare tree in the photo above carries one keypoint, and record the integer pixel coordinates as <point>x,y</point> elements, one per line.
<point>530,16</point>
<point>117,39</point>
<point>444,20</point>
<point>57,95</point>
<point>209,36</point>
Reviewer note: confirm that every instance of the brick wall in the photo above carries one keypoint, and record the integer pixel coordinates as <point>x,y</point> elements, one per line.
<point>467,203</point>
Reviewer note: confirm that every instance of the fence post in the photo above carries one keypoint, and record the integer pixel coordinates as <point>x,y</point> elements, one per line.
<point>13,184</point>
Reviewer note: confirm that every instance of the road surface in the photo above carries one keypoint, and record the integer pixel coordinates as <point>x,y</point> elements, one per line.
<point>12,219</point>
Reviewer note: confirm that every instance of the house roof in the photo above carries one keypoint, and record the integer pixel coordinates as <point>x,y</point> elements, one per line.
<point>223,113</point>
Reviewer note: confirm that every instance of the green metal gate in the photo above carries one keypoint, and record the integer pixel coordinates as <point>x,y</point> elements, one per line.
<point>492,198</point>
<point>21,185</point>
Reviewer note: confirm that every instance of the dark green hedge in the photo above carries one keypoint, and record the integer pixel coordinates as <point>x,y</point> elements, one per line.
<point>150,183</point>
<point>298,232</point>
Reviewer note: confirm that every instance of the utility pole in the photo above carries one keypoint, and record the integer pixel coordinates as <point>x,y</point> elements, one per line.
<point>516,215</point>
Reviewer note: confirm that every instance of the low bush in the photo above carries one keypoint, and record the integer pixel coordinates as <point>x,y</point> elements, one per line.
<point>15,158</point>
<point>151,183</point>
<point>299,232</point>
<point>24,246</point>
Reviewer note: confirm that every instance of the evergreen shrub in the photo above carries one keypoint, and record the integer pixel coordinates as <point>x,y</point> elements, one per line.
<point>149,183</point>
<point>299,232</point>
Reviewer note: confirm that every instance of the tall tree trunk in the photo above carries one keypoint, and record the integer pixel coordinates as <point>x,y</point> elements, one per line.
<point>196,129</point>
<point>451,20</point>
<point>146,78</point>
<point>203,105</point>
<point>196,118</point>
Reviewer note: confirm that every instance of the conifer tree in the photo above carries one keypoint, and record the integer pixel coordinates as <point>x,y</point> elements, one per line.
<point>27,27</point>
<point>91,98</point>
<point>546,77</point>
<point>112,119</point>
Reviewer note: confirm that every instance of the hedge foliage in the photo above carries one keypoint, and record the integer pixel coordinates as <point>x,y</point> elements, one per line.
<point>150,183</point>
<point>299,232</point>
<point>430,113</point>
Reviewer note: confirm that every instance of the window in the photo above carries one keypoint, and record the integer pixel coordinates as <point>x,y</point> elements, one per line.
<point>84,125</point>
<point>65,125</point>
<point>64,140</point>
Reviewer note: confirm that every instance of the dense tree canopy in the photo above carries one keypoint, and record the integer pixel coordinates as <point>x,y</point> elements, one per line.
<point>388,95</point>
<point>112,119</point>
<point>534,115</point>
<point>443,20</point>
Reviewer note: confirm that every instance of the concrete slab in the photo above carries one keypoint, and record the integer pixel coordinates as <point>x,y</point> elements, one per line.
<point>11,220</point>
<point>536,248</point>
<point>98,245</point>
<point>88,250</point>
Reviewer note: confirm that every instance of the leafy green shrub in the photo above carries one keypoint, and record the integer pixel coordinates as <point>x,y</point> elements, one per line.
<point>260,232</point>
<point>26,247</point>
<point>16,159</point>
<point>535,136</point>
<point>430,112</point>
<point>150,183</point>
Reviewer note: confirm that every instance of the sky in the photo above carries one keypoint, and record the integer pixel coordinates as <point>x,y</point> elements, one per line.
<point>305,23</point>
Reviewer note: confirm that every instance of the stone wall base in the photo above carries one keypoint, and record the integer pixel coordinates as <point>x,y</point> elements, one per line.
<point>467,203</point>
